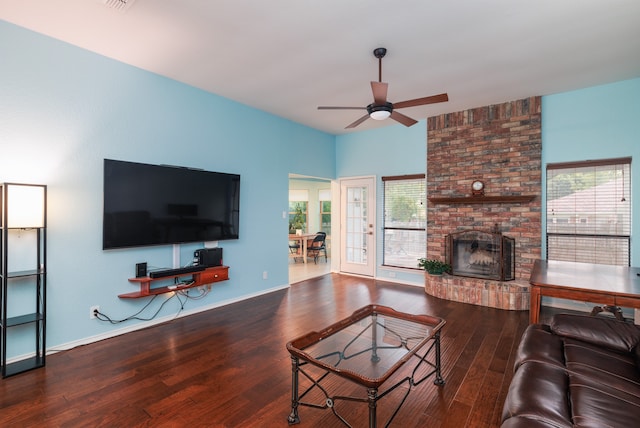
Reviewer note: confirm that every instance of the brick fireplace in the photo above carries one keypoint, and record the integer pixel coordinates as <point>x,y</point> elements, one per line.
<point>501,146</point>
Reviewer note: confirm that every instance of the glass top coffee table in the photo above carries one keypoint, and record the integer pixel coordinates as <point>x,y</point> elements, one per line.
<point>366,348</point>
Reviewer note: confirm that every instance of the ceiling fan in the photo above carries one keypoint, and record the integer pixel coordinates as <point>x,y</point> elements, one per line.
<point>381,108</point>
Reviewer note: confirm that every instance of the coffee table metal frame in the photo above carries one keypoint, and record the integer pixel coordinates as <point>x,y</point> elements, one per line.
<point>300,358</point>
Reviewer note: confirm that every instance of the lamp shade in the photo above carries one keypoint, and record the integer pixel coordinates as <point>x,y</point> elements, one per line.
<point>25,205</point>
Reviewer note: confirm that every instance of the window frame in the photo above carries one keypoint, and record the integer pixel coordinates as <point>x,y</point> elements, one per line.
<point>579,218</point>
<point>385,227</point>
<point>323,213</point>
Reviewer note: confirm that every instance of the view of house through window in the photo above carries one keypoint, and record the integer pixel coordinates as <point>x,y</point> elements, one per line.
<point>589,211</point>
<point>405,220</point>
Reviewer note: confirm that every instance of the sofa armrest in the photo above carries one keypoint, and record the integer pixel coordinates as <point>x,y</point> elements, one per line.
<point>607,332</point>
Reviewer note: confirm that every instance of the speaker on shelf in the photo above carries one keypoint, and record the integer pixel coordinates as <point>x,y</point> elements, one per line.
<point>141,270</point>
<point>209,257</point>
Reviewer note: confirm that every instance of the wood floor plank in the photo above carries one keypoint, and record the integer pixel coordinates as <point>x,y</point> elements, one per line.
<point>229,367</point>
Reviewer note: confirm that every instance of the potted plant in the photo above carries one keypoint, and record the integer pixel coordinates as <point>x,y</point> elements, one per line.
<point>434,267</point>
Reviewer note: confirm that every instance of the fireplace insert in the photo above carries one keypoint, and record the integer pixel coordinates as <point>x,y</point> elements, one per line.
<point>479,254</point>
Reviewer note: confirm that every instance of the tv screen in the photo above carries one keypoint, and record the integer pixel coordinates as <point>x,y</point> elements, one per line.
<point>158,204</point>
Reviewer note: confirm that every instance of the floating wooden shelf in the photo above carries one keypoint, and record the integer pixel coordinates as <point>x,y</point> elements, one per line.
<point>510,199</point>
<point>207,276</point>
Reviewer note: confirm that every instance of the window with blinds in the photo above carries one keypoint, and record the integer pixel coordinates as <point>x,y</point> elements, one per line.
<point>589,211</point>
<point>405,220</point>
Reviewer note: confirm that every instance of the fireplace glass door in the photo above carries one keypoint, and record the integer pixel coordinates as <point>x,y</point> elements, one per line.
<point>479,254</point>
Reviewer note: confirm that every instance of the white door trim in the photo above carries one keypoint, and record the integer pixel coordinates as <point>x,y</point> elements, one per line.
<point>368,266</point>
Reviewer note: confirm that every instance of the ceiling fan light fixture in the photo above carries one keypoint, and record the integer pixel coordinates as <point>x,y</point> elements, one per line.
<point>379,112</point>
<point>379,115</point>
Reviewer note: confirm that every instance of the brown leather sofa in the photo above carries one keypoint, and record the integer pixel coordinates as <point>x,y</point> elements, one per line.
<point>579,371</point>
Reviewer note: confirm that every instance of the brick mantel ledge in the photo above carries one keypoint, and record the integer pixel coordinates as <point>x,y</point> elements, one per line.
<point>509,295</point>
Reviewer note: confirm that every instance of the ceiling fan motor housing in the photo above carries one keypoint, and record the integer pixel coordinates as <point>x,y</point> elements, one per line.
<point>380,111</point>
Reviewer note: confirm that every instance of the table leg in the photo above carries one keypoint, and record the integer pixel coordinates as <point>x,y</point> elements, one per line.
<point>438,380</point>
<point>293,416</point>
<point>304,250</point>
<point>374,339</point>
<point>534,308</point>
<point>372,397</point>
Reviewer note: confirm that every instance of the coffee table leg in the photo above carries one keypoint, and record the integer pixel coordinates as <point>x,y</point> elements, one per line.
<point>293,416</point>
<point>372,396</point>
<point>439,380</point>
<point>374,339</point>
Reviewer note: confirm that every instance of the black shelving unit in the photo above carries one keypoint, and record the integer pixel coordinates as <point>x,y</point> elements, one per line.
<point>16,284</point>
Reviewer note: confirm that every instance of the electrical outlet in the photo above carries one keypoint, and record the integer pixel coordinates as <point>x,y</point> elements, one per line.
<point>265,275</point>
<point>92,311</point>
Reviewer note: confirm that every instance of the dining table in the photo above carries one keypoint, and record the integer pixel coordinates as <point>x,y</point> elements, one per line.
<point>304,239</point>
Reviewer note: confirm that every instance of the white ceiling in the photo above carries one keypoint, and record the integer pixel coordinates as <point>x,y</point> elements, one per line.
<point>287,57</point>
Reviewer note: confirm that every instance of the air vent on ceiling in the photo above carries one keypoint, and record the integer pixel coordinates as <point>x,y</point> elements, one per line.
<point>119,5</point>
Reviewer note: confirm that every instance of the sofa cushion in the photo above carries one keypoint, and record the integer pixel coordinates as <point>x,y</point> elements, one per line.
<point>617,371</point>
<point>610,333</point>
<point>526,422</point>
<point>538,392</point>
<point>596,404</point>
<point>539,344</point>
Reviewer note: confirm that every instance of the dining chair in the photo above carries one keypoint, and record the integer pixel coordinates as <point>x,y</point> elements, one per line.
<point>294,248</point>
<point>317,246</point>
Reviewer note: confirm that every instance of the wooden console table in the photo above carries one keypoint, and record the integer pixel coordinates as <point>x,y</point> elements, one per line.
<point>599,284</point>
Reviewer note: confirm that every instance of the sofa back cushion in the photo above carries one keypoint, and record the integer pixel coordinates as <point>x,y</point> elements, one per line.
<point>607,332</point>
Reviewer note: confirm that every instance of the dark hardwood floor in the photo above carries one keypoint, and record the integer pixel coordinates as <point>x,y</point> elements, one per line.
<point>229,367</point>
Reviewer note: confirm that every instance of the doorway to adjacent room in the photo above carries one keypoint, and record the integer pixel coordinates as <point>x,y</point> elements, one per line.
<point>310,210</point>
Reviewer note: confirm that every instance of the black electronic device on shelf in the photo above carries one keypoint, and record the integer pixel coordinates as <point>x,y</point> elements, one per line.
<point>175,271</point>
<point>208,257</point>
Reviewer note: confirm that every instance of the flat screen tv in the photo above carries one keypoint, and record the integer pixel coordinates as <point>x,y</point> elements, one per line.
<point>148,205</point>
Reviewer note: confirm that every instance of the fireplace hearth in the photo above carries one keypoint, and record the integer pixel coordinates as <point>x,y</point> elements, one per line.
<point>479,254</point>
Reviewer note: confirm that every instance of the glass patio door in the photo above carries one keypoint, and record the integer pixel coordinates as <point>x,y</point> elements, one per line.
<point>358,226</point>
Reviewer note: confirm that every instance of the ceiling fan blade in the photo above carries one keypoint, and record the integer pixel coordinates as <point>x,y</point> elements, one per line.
<point>405,120</point>
<point>358,122</point>
<point>340,108</point>
<point>379,92</point>
<point>422,101</point>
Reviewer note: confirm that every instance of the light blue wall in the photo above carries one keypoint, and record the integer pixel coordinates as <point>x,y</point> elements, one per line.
<point>63,110</point>
<point>392,150</point>
<point>595,123</point>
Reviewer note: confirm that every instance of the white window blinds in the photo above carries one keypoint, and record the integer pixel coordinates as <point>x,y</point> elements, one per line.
<point>589,211</point>
<point>405,220</point>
